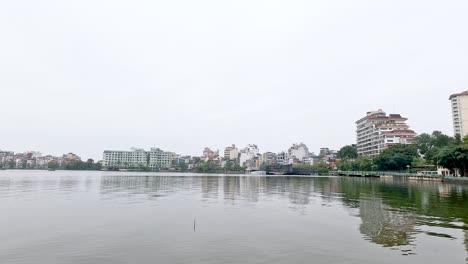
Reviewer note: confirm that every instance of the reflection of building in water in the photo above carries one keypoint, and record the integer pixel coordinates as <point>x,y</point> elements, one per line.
<point>231,188</point>
<point>252,187</point>
<point>300,190</point>
<point>248,188</point>
<point>210,186</point>
<point>297,190</point>
<point>385,227</point>
<point>147,185</point>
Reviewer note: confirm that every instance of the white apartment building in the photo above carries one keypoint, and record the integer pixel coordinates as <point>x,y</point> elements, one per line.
<point>376,131</point>
<point>299,152</point>
<point>160,159</point>
<point>282,158</point>
<point>125,159</point>
<point>137,158</point>
<point>459,103</point>
<point>249,154</point>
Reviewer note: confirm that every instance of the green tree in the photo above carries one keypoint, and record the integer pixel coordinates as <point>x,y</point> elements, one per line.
<point>396,157</point>
<point>365,164</point>
<point>453,158</point>
<point>52,165</point>
<point>345,165</point>
<point>321,168</point>
<point>359,164</point>
<point>228,166</point>
<point>208,167</point>
<point>80,165</point>
<point>183,166</point>
<point>97,166</point>
<point>429,145</point>
<point>348,152</point>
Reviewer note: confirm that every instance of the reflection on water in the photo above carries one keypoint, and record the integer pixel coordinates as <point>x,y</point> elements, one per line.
<point>388,210</point>
<point>384,226</point>
<point>411,217</point>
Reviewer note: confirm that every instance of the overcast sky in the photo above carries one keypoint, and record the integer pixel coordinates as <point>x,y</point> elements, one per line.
<point>89,75</point>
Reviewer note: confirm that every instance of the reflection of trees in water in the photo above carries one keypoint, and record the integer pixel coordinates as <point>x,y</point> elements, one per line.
<point>152,186</point>
<point>376,200</point>
<point>298,190</point>
<point>338,189</point>
<point>383,226</point>
<point>391,209</point>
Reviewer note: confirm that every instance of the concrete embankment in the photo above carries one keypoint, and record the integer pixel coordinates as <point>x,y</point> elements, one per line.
<point>402,176</point>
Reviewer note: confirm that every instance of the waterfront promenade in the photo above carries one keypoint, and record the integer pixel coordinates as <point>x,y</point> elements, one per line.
<point>399,175</point>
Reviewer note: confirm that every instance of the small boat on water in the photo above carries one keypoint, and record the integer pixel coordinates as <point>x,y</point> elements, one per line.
<point>51,169</point>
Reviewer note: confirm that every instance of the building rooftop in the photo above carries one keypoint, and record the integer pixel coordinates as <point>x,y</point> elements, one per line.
<point>381,115</point>
<point>458,94</point>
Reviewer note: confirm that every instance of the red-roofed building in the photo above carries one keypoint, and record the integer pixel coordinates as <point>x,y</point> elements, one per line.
<point>376,131</point>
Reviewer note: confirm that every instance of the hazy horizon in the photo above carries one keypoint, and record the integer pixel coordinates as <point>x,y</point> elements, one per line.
<point>182,75</point>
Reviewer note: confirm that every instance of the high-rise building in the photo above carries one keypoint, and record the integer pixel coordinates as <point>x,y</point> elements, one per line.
<point>376,131</point>
<point>459,104</point>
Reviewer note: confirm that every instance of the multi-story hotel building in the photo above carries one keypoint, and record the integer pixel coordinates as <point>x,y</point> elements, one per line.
<point>137,158</point>
<point>376,131</point>
<point>459,104</point>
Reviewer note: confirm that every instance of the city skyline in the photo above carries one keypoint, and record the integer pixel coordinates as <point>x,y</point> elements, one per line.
<point>273,73</point>
<point>220,148</point>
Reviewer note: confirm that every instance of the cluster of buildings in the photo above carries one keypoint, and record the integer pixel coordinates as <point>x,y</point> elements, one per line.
<point>249,158</point>
<point>34,160</point>
<point>376,131</point>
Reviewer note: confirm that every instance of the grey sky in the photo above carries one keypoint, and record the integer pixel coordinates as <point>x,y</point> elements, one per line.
<point>85,76</point>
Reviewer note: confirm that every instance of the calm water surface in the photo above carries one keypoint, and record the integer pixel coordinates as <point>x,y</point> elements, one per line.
<point>115,217</point>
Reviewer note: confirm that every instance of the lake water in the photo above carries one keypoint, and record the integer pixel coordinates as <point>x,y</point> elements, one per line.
<point>118,217</point>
